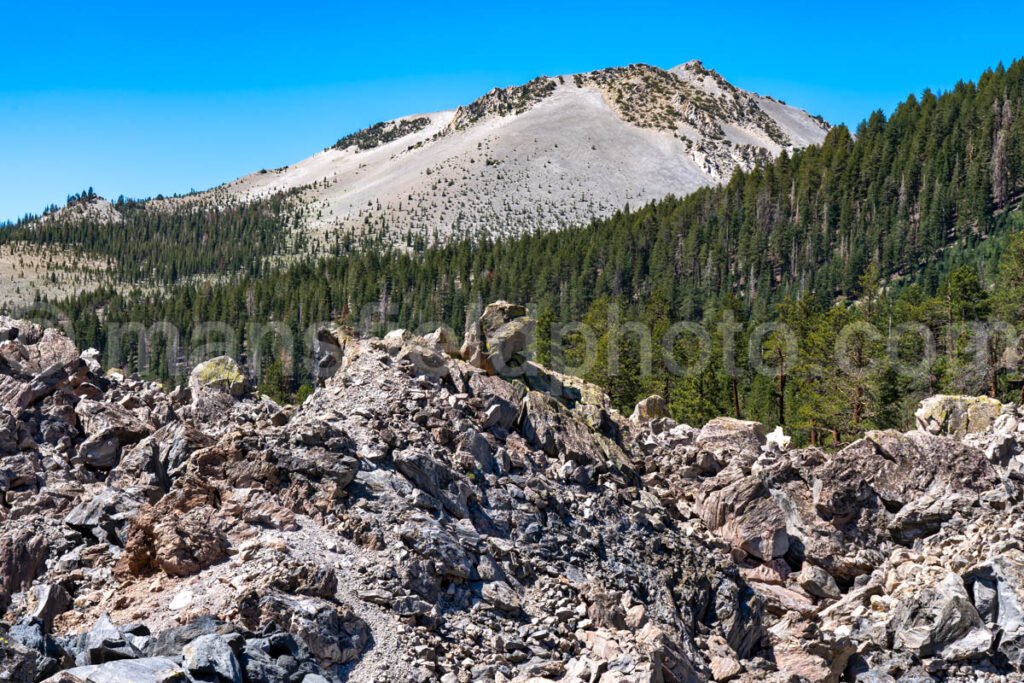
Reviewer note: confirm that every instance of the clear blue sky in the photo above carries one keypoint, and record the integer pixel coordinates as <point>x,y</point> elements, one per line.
<point>144,98</point>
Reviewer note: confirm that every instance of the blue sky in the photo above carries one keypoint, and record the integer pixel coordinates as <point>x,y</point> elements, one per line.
<point>144,98</point>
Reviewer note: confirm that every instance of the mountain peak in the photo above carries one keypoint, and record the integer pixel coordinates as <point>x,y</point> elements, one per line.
<point>691,65</point>
<point>547,154</point>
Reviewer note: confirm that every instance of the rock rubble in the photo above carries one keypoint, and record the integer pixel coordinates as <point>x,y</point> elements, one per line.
<point>433,513</point>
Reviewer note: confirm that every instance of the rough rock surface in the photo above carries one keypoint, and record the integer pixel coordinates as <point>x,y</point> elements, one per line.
<point>957,416</point>
<point>419,520</point>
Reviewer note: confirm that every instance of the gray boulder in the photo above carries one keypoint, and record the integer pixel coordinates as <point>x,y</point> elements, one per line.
<point>998,589</point>
<point>146,670</point>
<point>503,331</point>
<point>940,619</point>
<point>425,359</point>
<point>104,643</point>
<point>501,595</point>
<point>210,657</point>
<point>332,632</point>
<point>51,600</point>
<point>818,582</point>
<point>108,427</point>
<point>726,434</point>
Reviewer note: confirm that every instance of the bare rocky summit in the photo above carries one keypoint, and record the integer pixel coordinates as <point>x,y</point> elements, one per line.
<point>551,153</point>
<point>463,514</point>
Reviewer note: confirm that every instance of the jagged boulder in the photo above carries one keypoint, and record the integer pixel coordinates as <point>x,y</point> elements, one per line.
<point>103,515</point>
<point>508,341</point>
<point>568,435</point>
<point>23,552</point>
<point>425,359</point>
<point>181,535</point>
<point>332,632</point>
<point>503,332</point>
<point>329,348</point>
<point>998,590</point>
<point>51,600</point>
<point>497,314</point>
<point>34,635</point>
<point>651,408</point>
<point>818,582</point>
<point>743,513</point>
<point>211,656</point>
<point>443,340</point>
<point>143,670</point>
<point>902,467</point>
<point>396,339</point>
<point>37,363</point>
<point>222,374</point>
<point>725,435</point>
<point>28,349</point>
<point>108,427</point>
<point>571,391</point>
<point>939,619</point>
<point>501,595</point>
<point>104,642</point>
<point>174,444</point>
<point>805,652</point>
<point>215,386</point>
<point>957,416</point>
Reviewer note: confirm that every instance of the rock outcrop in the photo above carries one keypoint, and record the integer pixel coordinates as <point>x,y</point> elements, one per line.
<point>425,515</point>
<point>958,416</point>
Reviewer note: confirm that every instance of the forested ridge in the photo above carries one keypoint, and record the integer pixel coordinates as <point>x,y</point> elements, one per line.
<point>161,244</point>
<point>912,219</point>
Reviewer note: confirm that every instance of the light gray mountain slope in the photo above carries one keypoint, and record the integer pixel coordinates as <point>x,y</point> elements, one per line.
<point>548,154</point>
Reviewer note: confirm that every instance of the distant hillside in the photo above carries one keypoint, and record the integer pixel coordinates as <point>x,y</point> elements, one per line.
<point>551,153</point>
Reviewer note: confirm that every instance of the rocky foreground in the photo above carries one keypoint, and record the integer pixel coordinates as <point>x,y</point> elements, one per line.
<point>420,517</point>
